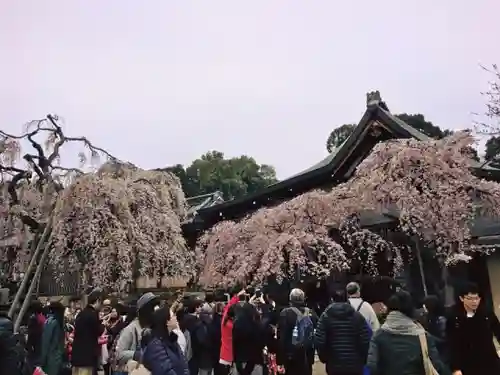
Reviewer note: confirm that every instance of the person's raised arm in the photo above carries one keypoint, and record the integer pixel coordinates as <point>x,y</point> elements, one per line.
<point>233,301</point>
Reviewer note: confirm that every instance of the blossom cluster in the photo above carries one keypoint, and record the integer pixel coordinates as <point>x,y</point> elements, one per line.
<point>120,223</point>
<point>111,225</point>
<point>428,183</point>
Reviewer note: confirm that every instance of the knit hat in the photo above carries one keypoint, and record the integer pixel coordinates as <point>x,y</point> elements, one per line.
<point>145,299</point>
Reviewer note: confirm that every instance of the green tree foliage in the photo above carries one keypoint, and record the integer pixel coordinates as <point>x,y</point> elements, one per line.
<point>338,136</point>
<point>491,126</point>
<point>233,177</point>
<point>417,121</point>
<point>492,148</point>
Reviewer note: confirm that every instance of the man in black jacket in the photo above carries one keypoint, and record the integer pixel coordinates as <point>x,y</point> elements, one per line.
<point>470,330</point>
<point>342,338</point>
<point>86,349</point>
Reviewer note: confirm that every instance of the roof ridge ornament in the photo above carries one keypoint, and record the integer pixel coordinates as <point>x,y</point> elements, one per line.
<point>373,99</point>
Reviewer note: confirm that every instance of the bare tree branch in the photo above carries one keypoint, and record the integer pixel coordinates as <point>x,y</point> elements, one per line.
<point>492,113</point>
<point>42,169</point>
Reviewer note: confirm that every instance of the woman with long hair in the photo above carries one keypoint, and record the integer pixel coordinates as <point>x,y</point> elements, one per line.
<point>248,341</point>
<point>162,354</point>
<point>53,341</point>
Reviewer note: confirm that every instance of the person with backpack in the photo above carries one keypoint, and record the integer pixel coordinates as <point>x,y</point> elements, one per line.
<point>364,308</point>
<point>342,338</point>
<point>295,336</point>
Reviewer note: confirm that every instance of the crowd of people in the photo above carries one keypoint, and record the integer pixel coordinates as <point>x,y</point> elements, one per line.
<point>250,335</point>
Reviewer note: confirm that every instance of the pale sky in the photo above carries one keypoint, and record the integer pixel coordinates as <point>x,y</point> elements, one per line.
<point>160,82</point>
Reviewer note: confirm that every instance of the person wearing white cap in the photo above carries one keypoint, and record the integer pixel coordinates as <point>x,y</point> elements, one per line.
<point>364,308</point>
<point>128,346</point>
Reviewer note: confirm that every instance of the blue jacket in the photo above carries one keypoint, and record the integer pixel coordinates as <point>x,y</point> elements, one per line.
<point>164,357</point>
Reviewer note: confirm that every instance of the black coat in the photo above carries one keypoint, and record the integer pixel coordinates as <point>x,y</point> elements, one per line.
<point>342,338</point>
<point>470,342</point>
<point>205,339</point>
<point>249,340</point>
<point>86,349</point>
<point>199,337</point>
<point>216,337</point>
<point>35,330</point>
<point>9,354</point>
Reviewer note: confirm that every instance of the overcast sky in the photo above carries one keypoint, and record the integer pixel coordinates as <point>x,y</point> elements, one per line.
<point>161,82</point>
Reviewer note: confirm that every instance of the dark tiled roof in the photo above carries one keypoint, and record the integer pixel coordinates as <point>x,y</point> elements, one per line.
<point>312,177</point>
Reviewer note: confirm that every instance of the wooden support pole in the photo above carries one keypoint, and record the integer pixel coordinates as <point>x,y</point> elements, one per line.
<point>31,265</point>
<point>38,272</point>
<point>421,266</point>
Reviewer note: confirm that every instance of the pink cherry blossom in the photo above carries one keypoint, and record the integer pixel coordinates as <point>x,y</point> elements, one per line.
<point>430,184</point>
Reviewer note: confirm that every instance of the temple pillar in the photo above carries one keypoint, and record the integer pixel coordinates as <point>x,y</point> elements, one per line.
<point>493,264</point>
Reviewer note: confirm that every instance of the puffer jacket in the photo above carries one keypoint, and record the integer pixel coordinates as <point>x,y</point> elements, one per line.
<point>342,339</point>
<point>164,357</point>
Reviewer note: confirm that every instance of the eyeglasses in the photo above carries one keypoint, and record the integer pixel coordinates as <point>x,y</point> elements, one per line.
<point>472,299</point>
